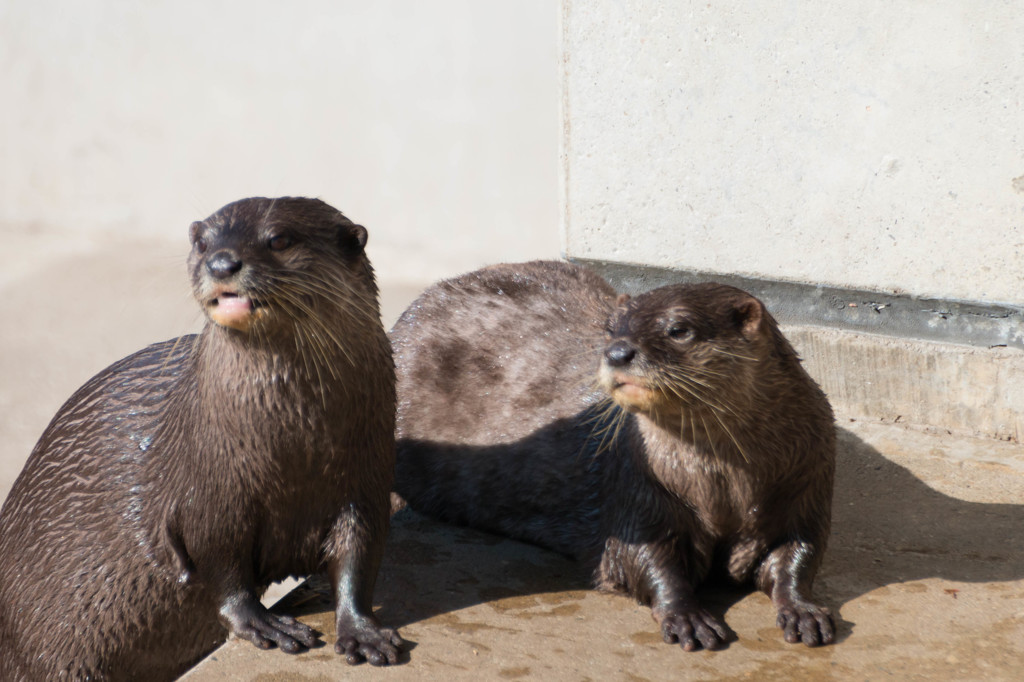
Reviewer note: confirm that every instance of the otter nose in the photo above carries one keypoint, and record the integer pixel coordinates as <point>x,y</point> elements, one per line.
<point>619,354</point>
<point>223,264</point>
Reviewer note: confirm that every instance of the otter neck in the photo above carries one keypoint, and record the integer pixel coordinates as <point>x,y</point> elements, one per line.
<point>717,435</point>
<point>232,364</point>
<point>698,421</point>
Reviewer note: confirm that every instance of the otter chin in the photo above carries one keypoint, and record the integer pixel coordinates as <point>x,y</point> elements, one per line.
<point>663,440</point>
<point>628,391</point>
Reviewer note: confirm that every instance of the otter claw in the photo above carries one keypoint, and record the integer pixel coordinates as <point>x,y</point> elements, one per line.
<point>374,644</point>
<point>248,619</point>
<point>693,630</point>
<point>287,633</point>
<point>806,623</point>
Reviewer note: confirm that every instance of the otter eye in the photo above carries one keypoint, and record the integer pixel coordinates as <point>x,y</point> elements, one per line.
<point>280,242</point>
<point>201,245</point>
<point>680,332</point>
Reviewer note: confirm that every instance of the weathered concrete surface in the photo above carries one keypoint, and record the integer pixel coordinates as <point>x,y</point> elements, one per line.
<point>925,571</point>
<point>963,389</point>
<point>867,145</point>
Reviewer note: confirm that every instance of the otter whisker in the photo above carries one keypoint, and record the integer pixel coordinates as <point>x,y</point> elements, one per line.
<point>688,373</point>
<point>594,384</point>
<point>321,389</point>
<point>321,346</point>
<point>340,288</point>
<point>270,209</point>
<point>601,409</point>
<point>690,381</point>
<point>341,347</point>
<point>709,437</point>
<point>605,441</point>
<point>714,404</point>
<point>335,290</point>
<point>739,447</point>
<point>168,359</point>
<point>608,410</point>
<point>683,383</point>
<point>585,351</point>
<point>734,355</point>
<point>315,320</point>
<point>619,421</point>
<point>704,371</point>
<point>366,313</point>
<point>694,386</point>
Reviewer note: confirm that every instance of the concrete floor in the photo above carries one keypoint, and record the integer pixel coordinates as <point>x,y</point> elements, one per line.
<point>925,568</point>
<point>925,571</point>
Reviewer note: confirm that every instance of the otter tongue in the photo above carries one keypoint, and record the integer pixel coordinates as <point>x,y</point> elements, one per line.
<point>232,310</point>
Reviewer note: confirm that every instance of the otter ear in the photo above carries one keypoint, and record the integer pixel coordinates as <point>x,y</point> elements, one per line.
<point>360,234</point>
<point>353,237</point>
<point>748,314</point>
<point>621,300</point>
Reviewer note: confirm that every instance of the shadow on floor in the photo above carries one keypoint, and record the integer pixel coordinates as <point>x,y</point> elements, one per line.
<point>888,527</point>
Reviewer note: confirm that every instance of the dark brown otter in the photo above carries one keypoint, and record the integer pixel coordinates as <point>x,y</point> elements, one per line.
<point>714,455</point>
<point>174,486</point>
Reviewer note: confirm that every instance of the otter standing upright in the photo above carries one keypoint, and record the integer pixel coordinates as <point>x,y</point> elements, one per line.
<point>174,486</point>
<point>707,450</point>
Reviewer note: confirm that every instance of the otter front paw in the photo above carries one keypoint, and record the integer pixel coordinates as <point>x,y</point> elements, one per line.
<point>363,639</point>
<point>807,623</point>
<point>248,619</point>
<point>692,629</point>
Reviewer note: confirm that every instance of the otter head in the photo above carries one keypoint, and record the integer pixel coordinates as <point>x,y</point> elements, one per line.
<point>258,264</point>
<point>684,349</point>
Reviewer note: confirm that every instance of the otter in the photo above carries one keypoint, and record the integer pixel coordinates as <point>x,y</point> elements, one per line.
<point>666,440</point>
<point>172,488</point>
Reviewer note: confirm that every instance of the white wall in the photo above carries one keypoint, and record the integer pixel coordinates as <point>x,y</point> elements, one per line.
<point>434,124</point>
<point>869,144</point>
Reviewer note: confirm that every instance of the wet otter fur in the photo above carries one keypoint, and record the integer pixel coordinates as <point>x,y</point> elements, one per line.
<point>172,488</point>
<point>665,439</point>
